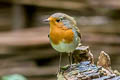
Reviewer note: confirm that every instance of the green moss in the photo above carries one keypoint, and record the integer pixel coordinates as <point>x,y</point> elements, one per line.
<point>13,77</point>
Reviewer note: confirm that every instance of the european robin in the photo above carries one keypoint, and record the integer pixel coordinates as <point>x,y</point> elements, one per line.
<point>64,34</point>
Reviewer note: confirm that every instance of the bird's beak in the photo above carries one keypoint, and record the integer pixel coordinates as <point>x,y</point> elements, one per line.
<point>46,20</point>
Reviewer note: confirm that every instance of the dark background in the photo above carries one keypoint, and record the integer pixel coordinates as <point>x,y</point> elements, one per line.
<point>24,45</point>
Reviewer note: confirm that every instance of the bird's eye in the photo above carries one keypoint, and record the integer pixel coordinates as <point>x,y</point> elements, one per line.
<point>58,20</point>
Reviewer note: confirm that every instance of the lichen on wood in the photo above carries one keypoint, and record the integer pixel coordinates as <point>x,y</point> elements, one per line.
<point>83,67</point>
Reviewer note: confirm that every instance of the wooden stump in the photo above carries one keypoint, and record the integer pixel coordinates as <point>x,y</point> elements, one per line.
<point>83,67</point>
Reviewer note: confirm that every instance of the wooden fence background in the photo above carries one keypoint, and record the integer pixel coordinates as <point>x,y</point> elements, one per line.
<point>24,45</point>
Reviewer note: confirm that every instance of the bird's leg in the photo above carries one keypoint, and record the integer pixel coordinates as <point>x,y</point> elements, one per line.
<point>70,60</point>
<point>59,70</point>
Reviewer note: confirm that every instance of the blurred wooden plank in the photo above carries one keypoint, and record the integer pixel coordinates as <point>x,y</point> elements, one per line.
<point>27,37</point>
<point>29,71</point>
<point>110,4</point>
<point>101,38</point>
<point>96,48</point>
<point>72,5</point>
<point>116,67</point>
<point>28,55</point>
<point>5,17</point>
<point>18,17</point>
<point>38,36</point>
<point>9,64</point>
<point>108,29</point>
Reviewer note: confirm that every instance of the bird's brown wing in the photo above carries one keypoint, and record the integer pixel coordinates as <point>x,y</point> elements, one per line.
<point>48,35</point>
<point>78,32</point>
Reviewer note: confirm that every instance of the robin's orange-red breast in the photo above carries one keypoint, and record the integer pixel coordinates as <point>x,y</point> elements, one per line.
<point>64,34</point>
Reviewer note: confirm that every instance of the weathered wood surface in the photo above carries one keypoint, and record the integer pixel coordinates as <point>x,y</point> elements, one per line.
<point>85,69</point>
<point>76,5</point>
<point>49,3</point>
<point>29,71</point>
<point>27,37</point>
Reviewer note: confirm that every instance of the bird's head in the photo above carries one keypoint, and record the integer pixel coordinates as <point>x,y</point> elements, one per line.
<point>61,19</point>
